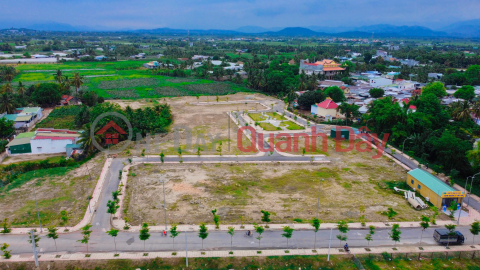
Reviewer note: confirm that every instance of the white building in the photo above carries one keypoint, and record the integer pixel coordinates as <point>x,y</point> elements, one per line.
<point>24,117</point>
<point>379,81</point>
<point>49,140</point>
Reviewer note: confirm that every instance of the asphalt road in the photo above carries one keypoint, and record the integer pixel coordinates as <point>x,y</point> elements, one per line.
<point>220,240</point>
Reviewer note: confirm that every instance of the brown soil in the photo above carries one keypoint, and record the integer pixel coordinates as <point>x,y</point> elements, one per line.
<point>352,182</point>
<point>202,121</point>
<point>68,191</point>
<point>20,158</point>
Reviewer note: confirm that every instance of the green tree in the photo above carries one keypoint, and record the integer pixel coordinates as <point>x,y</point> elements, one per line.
<point>369,236</point>
<point>349,110</point>
<point>335,93</point>
<point>47,94</point>
<point>342,238</point>
<point>451,231</point>
<point>342,226</point>
<point>36,239</point>
<point>21,89</point>
<point>467,92</point>
<point>452,208</point>
<point>162,157</point>
<point>77,81</point>
<point>309,98</point>
<point>265,217</point>
<point>174,233</point>
<point>112,207</point>
<point>113,233</point>
<point>59,76</point>
<point>216,218</point>
<point>87,141</point>
<point>436,88</point>
<point>6,252</point>
<point>395,233</point>
<point>475,229</point>
<point>287,233</point>
<point>7,103</point>
<point>6,127</point>
<point>144,234</point>
<point>202,233</point>
<point>259,230</point>
<point>86,235</point>
<point>315,222</point>
<point>6,226</point>
<point>231,232</point>
<point>425,223</point>
<point>52,233</point>
<point>376,92</point>
<point>472,75</point>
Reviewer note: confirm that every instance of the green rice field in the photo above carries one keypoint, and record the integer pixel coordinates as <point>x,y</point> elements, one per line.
<point>124,80</point>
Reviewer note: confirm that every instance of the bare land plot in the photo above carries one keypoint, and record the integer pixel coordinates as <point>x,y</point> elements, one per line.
<point>352,181</point>
<point>203,122</point>
<point>63,188</point>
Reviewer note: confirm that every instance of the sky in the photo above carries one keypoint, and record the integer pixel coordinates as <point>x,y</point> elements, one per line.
<point>231,14</point>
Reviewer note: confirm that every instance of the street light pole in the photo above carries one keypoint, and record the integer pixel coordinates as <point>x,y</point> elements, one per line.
<point>36,204</point>
<point>471,185</point>
<point>318,201</point>
<point>403,148</point>
<point>164,205</point>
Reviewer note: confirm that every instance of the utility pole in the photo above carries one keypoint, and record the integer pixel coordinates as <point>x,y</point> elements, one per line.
<point>34,248</point>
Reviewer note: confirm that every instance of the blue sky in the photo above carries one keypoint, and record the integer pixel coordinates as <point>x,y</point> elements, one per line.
<point>230,14</point>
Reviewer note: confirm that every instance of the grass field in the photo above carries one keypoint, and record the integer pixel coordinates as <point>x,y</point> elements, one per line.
<point>124,79</point>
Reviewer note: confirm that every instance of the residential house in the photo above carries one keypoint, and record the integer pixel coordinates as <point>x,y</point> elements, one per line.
<point>100,57</point>
<point>43,141</point>
<point>391,75</point>
<point>69,100</point>
<point>381,53</point>
<point>327,109</point>
<point>409,62</point>
<point>379,81</point>
<point>24,117</point>
<point>21,47</point>
<point>152,64</point>
<point>436,76</point>
<point>201,57</point>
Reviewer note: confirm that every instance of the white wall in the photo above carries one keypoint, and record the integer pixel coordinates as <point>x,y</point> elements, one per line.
<point>49,146</point>
<point>379,82</point>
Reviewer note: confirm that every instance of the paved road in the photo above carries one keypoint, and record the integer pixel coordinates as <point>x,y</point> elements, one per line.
<point>219,240</point>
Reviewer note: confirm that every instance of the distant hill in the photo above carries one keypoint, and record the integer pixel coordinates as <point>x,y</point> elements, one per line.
<point>404,30</point>
<point>469,28</point>
<point>294,31</point>
<point>256,29</point>
<point>55,26</point>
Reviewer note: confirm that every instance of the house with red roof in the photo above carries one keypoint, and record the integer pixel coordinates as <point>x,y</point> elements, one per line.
<point>69,100</point>
<point>327,67</point>
<point>326,109</point>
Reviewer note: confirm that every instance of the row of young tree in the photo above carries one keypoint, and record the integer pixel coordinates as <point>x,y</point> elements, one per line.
<point>144,233</point>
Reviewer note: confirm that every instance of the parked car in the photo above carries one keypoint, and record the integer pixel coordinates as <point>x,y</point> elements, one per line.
<point>442,237</point>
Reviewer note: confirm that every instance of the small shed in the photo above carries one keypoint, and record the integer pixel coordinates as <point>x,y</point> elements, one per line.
<point>438,192</point>
<point>20,146</point>
<point>344,133</point>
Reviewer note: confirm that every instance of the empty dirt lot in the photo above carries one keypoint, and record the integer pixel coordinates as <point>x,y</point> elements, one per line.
<point>354,185</point>
<point>202,121</point>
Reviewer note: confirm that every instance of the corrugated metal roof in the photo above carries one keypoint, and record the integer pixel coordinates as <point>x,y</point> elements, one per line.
<point>11,117</point>
<point>52,134</point>
<point>22,118</point>
<point>430,181</point>
<point>73,146</point>
<point>25,135</point>
<point>30,109</point>
<point>20,141</point>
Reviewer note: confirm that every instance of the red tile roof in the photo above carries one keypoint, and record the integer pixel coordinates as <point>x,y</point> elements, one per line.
<point>412,107</point>
<point>328,104</point>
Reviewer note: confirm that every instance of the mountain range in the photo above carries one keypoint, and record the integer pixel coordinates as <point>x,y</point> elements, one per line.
<point>465,29</point>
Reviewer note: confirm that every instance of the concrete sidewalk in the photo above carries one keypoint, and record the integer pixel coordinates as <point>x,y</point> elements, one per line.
<point>62,256</point>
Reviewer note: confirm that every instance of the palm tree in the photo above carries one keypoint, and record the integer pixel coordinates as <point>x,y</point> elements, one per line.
<point>476,110</point>
<point>460,111</point>
<point>77,81</point>
<point>59,76</point>
<point>8,73</point>
<point>21,88</point>
<point>349,110</point>
<point>7,103</point>
<point>7,88</point>
<point>86,140</point>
